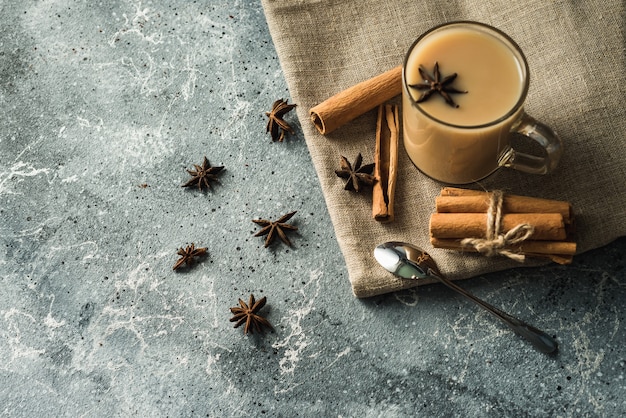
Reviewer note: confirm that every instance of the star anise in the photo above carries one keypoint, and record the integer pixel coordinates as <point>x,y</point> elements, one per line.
<point>276,125</point>
<point>203,175</point>
<point>357,176</point>
<point>248,314</point>
<point>434,84</point>
<point>274,228</point>
<point>188,254</point>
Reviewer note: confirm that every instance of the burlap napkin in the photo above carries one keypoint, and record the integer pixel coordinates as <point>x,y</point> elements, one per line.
<point>576,54</point>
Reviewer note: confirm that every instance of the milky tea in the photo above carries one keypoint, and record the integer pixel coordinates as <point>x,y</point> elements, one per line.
<point>464,144</point>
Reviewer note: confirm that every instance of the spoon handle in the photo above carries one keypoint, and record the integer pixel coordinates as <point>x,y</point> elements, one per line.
<point>539,339</point>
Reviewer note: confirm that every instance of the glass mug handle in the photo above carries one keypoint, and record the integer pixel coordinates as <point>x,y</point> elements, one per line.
<point>545,137</point>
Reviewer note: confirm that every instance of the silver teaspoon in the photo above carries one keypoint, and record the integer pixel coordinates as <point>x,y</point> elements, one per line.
<point>409,262</point>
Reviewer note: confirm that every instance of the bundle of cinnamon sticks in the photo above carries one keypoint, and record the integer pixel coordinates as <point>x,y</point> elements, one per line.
<point>461,219</point>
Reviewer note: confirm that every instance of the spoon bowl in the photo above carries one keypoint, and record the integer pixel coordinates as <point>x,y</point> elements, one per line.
<point>409,262</point>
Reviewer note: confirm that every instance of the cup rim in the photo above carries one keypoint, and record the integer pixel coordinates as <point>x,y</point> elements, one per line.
<point>511,43</point>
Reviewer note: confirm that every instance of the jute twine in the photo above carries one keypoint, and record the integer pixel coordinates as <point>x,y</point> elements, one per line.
<point>496,242</point>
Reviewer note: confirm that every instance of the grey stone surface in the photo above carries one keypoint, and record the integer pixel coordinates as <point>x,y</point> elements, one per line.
<point>104,105</point>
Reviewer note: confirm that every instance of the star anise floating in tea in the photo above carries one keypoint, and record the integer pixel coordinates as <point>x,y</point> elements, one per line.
<point>276,125</point>
<point>203,175</point>
<point>356,176</point>
<point>435,84</point>
<point>248,314</point>
<point>275,229</point>
<point>187,255</point>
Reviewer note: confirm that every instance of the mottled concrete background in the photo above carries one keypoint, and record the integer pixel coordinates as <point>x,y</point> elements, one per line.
<point>104,105</point>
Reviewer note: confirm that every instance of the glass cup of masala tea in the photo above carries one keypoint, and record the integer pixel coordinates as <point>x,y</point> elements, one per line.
<point>463,91</point>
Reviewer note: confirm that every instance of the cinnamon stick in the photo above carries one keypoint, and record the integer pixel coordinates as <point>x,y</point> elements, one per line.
<point>548,226</point>
<point>386,162</point>
<point>356,100</point>
<point>561,252</point>
<point>565,248</point>
<point>456,200</point>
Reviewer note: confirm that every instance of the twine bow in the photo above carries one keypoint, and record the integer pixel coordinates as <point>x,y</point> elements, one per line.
<point>496,243</point>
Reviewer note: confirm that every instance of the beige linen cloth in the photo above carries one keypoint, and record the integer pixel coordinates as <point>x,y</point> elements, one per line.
<point>576,53</point>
